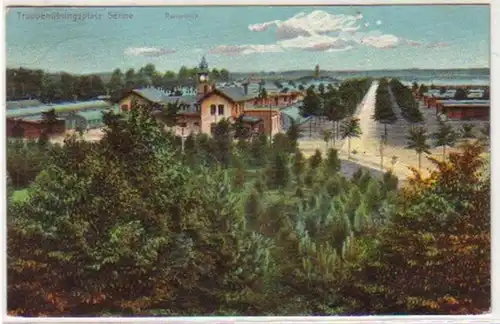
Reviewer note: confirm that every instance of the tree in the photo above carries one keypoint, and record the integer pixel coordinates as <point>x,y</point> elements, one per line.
<point>25,160</point>
<point>350,128</point>
<point>444,224</point>
<point>277,173</point>
<point>467,131</point>
<point>332,162</point>
<point>130,79</point>
<point>321,90</point>
<point>335,112</point>
<point>223,143</point>
<point>460,94</point>
<point>315,160</point>
<point>139,221</point>
<point>423,89</point>
<point>417,141</point>
<point>414,87</point>
<point>327,136</point>
<point>259,147</point>
<point>310,106</point>
<point>485,130</point>
<point>298,164</point>
<point>241,131</point>
<point>224,75</point>
<point>49,122</point>
<point>445,136</point>
<point>169,112</point>
<point>149,70</point>
<point>116,83</point>
<point>293,133</point>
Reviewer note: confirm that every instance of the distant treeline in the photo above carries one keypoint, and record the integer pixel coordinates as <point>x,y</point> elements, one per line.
<point>49,87</point>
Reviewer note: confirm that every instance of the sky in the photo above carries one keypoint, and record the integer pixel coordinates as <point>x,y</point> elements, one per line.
<point>249,39</point>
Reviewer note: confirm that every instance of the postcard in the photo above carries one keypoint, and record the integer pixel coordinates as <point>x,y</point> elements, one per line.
<point>248,160</point>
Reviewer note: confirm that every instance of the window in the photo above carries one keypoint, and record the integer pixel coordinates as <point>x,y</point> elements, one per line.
<point>212,110</point>
<point>221,110</point>
<point>212,128</point>
<point>197,124</point>
<point>124,107</point>
<point>205,88</point>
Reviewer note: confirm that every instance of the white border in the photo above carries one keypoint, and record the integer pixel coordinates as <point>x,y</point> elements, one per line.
<point>107,3</point>
<point>495,119</point>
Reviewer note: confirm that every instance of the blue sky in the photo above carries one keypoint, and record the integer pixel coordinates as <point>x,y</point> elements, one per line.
<point>247,39</point>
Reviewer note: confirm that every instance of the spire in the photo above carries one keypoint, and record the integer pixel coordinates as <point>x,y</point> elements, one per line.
<point>203,64</point>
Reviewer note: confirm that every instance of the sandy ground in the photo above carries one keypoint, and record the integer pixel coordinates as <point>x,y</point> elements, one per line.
<point>367,146</point>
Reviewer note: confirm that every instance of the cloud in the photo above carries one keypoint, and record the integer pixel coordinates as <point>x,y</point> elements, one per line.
<point>437,44</point>
<point>148,51</point>
<point>413,43</point>
<point>315,43</point>
<point>317,22</point>
<point>382,41</point>
<point>245,49</point>
<point>320,31</point>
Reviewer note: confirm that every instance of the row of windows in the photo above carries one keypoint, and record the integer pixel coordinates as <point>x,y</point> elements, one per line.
<point>214,110</point>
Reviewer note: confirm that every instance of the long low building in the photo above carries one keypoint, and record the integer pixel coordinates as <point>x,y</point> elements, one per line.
<point>31,127</point>
<point>465,111</point>
<point>28,121</point>
<point>59,108</point>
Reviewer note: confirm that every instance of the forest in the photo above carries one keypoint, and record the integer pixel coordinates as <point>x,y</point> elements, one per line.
<point>139,225</point>
<point>56,87</point>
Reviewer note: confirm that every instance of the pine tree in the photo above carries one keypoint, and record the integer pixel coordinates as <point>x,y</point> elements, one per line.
<point>417,140</point>
<point>315,160</point>
<point>278,174</point>
<point>298,164</point>
<point>349,129</point>
<point>445,136</point>
<point>293,133</point>
<point>332,162</point>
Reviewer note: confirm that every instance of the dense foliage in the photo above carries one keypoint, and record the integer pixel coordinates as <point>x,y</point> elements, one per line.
<point>406,101</point>
<point>25,83</point>
<point>134,225</point>
<point>383,104</point>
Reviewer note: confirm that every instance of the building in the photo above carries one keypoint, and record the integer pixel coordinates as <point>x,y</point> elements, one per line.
<point>291,115</point>
<point>30,127</point>
<point>200,112</point>
<point>27,120</point>
<point>86,119</point>
<point>464,109</point>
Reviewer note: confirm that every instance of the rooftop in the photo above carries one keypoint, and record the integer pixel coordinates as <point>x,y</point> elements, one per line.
<point>17,104</point>
<point>294,113</point>
<point>62,107</point>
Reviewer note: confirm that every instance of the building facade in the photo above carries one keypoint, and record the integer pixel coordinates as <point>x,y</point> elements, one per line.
<point>199,113</point>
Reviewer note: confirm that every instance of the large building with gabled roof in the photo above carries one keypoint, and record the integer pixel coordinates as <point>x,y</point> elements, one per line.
<point>200,112</point>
